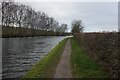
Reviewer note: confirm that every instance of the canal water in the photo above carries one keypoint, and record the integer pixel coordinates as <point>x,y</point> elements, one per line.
<point>20,54</point>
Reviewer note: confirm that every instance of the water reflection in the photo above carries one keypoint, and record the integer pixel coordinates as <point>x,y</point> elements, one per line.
<point>19,54</point>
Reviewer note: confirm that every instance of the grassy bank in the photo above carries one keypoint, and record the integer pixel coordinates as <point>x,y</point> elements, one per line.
<point>83,66</point>
<point>9,32</point>
<point>45,68</point>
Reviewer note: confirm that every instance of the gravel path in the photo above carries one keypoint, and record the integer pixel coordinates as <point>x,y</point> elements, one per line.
<point>63,69</point>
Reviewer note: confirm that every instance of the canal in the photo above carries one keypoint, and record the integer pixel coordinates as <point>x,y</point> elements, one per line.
<point>20,54</point>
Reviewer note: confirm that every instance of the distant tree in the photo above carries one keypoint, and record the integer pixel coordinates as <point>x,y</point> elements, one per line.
<point>77,26</point>
<point>63,27</point>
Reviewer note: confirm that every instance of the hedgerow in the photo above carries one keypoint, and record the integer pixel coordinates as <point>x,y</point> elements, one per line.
<point>103,48</point>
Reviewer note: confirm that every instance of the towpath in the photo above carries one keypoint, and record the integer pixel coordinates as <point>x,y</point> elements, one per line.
<point>63,69</point>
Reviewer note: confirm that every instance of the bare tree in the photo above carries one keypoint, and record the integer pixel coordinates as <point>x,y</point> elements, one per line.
<point>77,26</point>
<point>22,17</point>
<point>63,27</point>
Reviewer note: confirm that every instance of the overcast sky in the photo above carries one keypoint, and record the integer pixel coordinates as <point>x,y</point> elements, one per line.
<point>96,16</point>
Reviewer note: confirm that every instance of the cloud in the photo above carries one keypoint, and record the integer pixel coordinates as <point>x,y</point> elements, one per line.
<point>96,16</point>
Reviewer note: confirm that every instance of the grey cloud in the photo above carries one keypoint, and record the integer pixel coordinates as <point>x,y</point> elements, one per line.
<point>96,16</point>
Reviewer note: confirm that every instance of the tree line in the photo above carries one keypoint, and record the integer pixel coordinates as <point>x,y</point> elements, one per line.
<point>24,18</point>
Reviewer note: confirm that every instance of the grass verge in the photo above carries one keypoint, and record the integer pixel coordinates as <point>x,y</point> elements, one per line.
<point>83,66</point>
<point>46,67</point>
